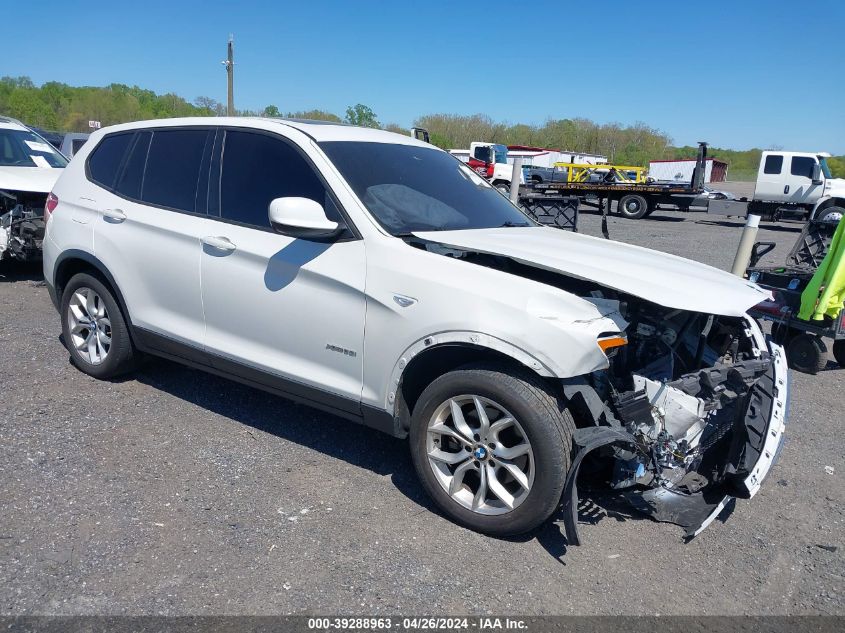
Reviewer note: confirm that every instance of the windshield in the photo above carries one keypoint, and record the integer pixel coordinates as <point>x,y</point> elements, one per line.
<point>22,148</point>
<point>409,188</point>
<point>825,167</point>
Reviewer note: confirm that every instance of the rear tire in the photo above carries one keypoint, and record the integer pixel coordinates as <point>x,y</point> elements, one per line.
<point>94,330</point>
<point>632,207</point>
<point>806,353</point>
<point>839,352</point>
<point>459,487</point>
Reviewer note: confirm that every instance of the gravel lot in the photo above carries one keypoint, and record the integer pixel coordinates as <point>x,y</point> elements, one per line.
<point>175,492</point>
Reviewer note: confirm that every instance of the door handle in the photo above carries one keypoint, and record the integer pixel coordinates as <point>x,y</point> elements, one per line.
<point>786,189</point>
<point>219,243</point>
<point>115,215</point>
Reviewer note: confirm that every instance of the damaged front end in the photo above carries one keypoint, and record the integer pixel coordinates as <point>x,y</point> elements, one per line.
<point>688,416</point>
<point>689,412</point>
<point>21,224</point>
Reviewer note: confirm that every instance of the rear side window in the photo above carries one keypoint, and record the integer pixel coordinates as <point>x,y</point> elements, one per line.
<point>129,182</point>
<point>257,169</point>
<point>106,158</point>
<point>774,164</point>
<point>173,167</point>
<point>802,166</point>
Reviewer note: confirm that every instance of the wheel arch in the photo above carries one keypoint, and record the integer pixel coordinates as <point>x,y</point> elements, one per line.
<point>73,262</point>
<point>824,203</point>
<point>435,355</point>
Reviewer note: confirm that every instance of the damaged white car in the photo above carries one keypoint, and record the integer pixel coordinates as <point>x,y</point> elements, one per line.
<point>378,278</point>
<point>29,166</point>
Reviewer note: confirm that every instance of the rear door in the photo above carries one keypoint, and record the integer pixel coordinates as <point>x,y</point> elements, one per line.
<point>149,228</point>
<point>286,312</point>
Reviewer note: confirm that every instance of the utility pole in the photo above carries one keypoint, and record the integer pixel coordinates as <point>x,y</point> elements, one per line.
<point>230,77</point>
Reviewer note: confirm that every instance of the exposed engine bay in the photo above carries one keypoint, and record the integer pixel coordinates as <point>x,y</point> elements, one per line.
<point>678,421</point>
<point>21,224</point>
<point>677,425</point>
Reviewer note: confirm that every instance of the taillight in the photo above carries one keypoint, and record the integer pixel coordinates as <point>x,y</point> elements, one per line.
<point>50,206</point>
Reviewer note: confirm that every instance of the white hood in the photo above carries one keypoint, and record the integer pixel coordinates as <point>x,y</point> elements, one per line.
<point>34,179</point>
<point>667,280</point>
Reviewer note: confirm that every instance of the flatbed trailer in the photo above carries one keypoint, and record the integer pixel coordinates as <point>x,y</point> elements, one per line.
<point>789,185</point>
<point>634,200</point>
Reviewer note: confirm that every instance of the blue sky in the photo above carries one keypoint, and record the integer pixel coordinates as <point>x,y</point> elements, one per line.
<point>737,74</point>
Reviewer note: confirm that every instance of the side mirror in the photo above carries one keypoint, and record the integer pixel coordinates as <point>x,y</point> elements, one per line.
<point>302,218</point>
<point>816,175</point>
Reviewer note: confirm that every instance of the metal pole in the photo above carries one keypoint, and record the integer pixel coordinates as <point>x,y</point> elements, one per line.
<point>746,245</point>
<point>230,77</point>
<point>516,176</point>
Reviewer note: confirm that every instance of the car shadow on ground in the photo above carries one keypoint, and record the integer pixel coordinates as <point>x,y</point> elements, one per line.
<point>355,444</point>
<point>12,271</point>
<point>323,432</point>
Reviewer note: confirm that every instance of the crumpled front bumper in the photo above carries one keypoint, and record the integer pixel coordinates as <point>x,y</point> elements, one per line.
<point>765,424</point>
<point>775,434</point>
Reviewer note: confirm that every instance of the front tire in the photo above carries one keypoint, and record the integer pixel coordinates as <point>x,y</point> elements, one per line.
<point>492,448</point>
<point>94,330</point>
<point>831,214</point>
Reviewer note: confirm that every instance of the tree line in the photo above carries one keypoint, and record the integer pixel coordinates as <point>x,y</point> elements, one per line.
<point>58,106</point>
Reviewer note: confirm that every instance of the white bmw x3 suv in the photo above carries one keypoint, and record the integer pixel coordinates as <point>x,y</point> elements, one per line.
<point>376,277</point>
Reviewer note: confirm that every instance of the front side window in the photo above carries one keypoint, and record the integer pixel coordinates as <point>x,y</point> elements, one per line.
<point>22,148</point>
<point>501,153</point>
<point>257,169</point>
<point>774,164</point>
<point>802,166</point>
<point>173,168</point>
<point>408,188</point>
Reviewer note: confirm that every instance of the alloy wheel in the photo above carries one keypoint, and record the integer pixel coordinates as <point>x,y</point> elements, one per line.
<point>480,454</point>
<point>89,325</point>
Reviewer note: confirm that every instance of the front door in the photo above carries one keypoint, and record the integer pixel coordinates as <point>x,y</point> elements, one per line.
<point>290,308</point>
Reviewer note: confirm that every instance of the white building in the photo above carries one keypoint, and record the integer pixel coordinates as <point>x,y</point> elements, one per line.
<point>681,170</point>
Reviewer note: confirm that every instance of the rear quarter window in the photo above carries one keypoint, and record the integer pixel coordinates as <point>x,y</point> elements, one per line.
<point>132,176</point>
<point>106,158</point>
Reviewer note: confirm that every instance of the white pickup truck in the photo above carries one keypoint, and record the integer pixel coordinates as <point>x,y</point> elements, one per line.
<point>796,184</point>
